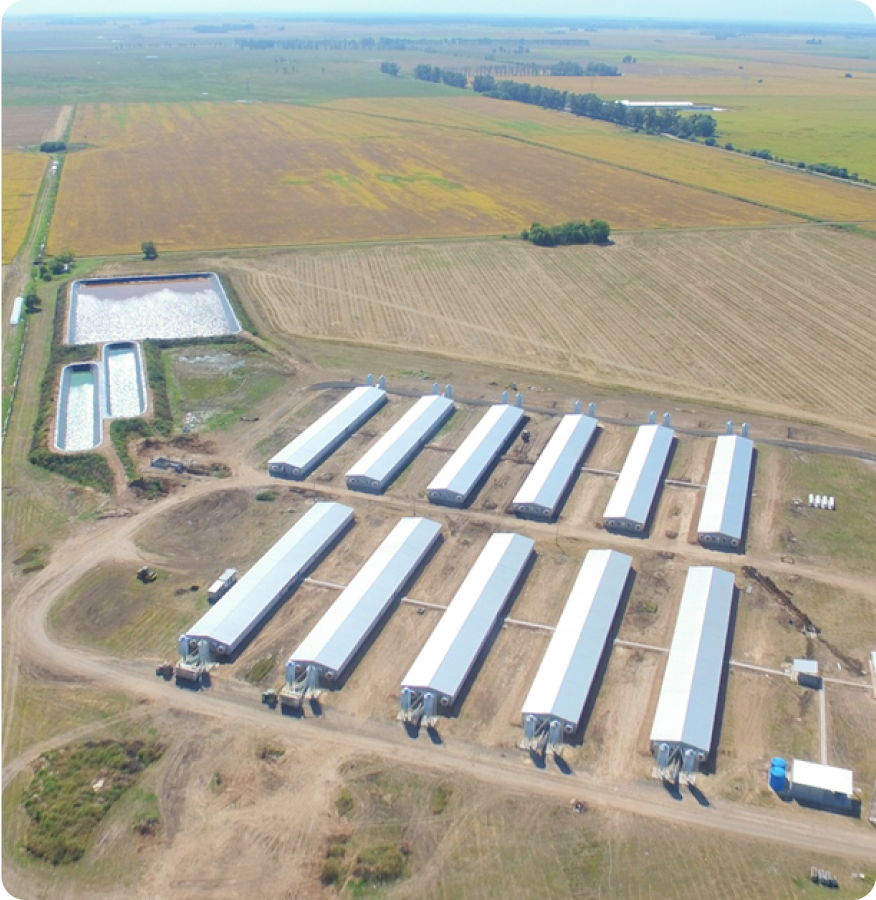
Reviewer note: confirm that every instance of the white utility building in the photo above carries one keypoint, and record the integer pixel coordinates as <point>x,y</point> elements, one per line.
<point>375,471</point>
<point>221,585</point>
<point>223,628</point>
<point>565,677</point>
<point>544,487</point>
<point>462,472</point>
<point>633,496</point>
<point>681,737</point>
<point>328,650</point>
<point>726,499</point>
<point>297,459</point>
<point>439,672</point>
<point>821,785</point>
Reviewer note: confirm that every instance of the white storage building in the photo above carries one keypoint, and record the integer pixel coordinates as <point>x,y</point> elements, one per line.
<point>329,648</point>
<point>375,471</point>
<point>221,585</point>
<point>685,718</point>
<point>297,459</point>
<point>821,785</point>
<point>242,610</point>
<point>726,499</point>
<point>565,677</point>
<point>544,487</point>
<point>439,672</point>
<point>461,473</point>
<point>633,496</point>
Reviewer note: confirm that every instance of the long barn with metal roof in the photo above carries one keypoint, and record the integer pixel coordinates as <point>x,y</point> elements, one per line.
<point>541,492</point>
<point>629,506</point>
<point>565,678</point>
<point>242,610</point>
<point>325,654</point>
<point>375,471</point>
<point>439,672</point>
<point>461,473</point>
<point>681,736</point>
<point>300,457</point>
<point>723,515</point>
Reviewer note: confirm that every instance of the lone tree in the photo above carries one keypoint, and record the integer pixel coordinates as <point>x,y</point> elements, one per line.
<point>149,251</point>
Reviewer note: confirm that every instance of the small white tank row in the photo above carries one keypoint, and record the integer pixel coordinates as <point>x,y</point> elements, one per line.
<point>822,501</point>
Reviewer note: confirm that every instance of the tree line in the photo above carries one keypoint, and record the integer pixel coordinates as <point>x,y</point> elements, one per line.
<point>592,68</point>
<point>575,231</point>
<point>437,74</point>
<point>654,121</point>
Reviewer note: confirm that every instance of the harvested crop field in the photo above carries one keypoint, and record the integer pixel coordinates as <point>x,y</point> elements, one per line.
<point>25,125</point>
<point>780,321</point>
<point>22,173</point>
<point>695,165</point>
<point>271,175</point>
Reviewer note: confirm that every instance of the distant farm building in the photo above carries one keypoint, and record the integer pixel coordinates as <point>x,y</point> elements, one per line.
<point>297,459</point>
<point>565,678</point>
<point>726,499</point>
<point>630,504</point>
<point>681,736</point>
<point>542,491</point>
<point>326,653</point>
<point>377,469</point>
<point>459,476</point>
<point>438,674</point>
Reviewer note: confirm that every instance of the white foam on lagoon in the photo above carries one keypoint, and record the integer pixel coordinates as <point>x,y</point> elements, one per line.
<point>124,399</point>
<point>79,414</point>
<point>130,311</point>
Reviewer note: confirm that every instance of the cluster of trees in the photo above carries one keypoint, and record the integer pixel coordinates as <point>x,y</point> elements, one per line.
<point>592,68</point>
<point>576,231</point>
<point>52,147</point>
<point>436,73</point>
<point>827,169</point>
<point>58,265</point>
<point>666,121</point>
<point>149,251</point>
<point>389,68</point>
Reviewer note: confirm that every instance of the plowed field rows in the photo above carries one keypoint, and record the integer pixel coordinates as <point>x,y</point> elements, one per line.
<point>780,321</point>
<point>22,173</point>
<point>262,175</point>
<point>23,125</point>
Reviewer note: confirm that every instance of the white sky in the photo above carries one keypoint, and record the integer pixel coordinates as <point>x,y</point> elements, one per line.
<point>824,11</point>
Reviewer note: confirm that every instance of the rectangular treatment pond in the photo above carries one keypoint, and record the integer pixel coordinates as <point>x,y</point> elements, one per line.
<point>124,380</point>
<point>151,306</point>
<point>79,423</point>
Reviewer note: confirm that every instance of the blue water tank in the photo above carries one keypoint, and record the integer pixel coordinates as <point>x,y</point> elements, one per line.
<point>778,763</point>
<point>778,779</point>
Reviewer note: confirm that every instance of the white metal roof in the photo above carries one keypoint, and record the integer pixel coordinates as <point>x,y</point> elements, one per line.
<point>454,645</point>
<point>351,618</point>
<point>633,495</point>
<point>824,778</point>
<point>396,447</point>
<point>806,666</point>
<point>565,676</point>
<point>320,438</point>
<point>727,488</point>
<point>545,484</point>
<point>689,695</point>
<point>239,611</point>
<point>463,470</point>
